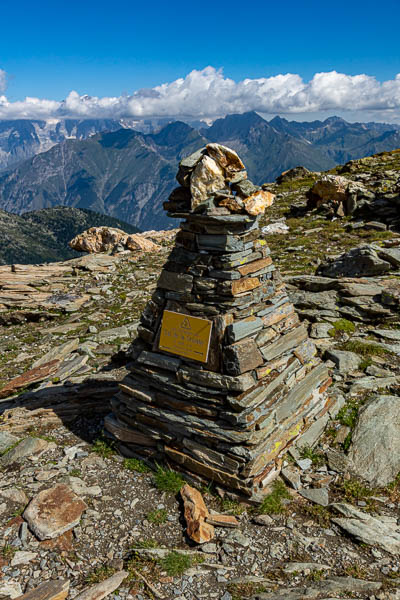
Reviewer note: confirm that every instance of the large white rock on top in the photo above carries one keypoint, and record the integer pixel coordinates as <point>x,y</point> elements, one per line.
<point>207,177</point>
<point>375,450</point>
<point>227,158</point>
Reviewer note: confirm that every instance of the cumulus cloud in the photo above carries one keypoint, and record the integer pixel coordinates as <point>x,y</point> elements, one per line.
<point>209,94</point>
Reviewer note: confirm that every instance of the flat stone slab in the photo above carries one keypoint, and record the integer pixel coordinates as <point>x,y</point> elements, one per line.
<point>29,377</point>
<point>7,440</point>
<point>375,450</point>
<point>375,531</point>
<point>317,495</point>
<point>104,588</point>
<point>50,590</point>
<point>27,447</point>
<point>54,511</point>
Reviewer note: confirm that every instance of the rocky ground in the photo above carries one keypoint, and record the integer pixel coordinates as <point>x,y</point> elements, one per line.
<point>329,529</point>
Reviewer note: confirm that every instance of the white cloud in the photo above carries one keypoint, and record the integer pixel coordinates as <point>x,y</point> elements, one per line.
<point>3,82</point>
<point>209,94</point>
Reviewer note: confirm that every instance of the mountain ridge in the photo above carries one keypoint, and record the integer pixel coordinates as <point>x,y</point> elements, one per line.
<point>128,174</point>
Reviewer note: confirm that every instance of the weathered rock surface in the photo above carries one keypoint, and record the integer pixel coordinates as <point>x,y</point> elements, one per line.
<point>26,447</point>
<point>375,450</point>
<point>379,531</point>
<point>7,440</point>
<point>108,239</point>
<point>335,585</point>
<point>207,177</point>
<point>54,511</point>
<point>196,513</point>
<point>50,590</point>
<point>104,588</point>
<point>358,262</point>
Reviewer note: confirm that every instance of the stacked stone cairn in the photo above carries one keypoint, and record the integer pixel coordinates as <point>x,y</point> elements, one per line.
<point>230,419</point>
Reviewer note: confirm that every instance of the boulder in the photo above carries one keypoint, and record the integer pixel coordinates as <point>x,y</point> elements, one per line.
<point>110,239</point>
<point>339,194</point>
<point>27,447</point>
<point>375,450</point>
<point>330,190</point>
<point>7,440</point>
<point>292,174</point>
<point>357,262</point>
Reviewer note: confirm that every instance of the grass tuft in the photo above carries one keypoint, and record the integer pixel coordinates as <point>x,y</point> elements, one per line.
<point>134,464</point>
<point>341,326</point>
<point>103,447</point>
<point>365,349</point>
<point>99,574</point>
<point>317,458</point>
<point>176,564</point>
<point>158,516</point>
<point>167,480</point>
<point>272,504</point>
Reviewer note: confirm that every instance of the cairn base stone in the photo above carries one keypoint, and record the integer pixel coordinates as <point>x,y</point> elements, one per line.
<point>229,415</point>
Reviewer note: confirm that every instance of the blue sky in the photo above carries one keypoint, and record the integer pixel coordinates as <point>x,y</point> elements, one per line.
<point>108,49</point>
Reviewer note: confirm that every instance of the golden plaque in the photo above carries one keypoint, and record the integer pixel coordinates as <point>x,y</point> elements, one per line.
<point>185,336</point>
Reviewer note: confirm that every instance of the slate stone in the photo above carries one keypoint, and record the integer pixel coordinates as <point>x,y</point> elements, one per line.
<point>162,361</point>
<point>7,440</point>
<point>284,343</point>
<point>241,383</point>
<point>368,529</point>
<point>316,495</point>
<point>345,361</point>
<point>241,357</point>
<point>241,329</point>
<point>357,262</point>
<point>176,282</point>
<point>375,450</point>
<point>27,447</point>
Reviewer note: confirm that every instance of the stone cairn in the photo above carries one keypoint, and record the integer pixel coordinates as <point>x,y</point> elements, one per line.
<point>257,385</point>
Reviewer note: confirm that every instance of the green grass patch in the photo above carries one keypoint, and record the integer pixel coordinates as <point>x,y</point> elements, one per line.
<point>176,564</point>
<point>342,326</point>
<point>158,516</point>
<point>167,480</point>
<point>234,508</point>
<point>365,349</point>
<point>317,513</point>
<point>7,551</point>
<point>103,447</point>
<point>317,458</point>
<point>134,464</point>
<point>272,504</point>
<point>99,574</point>
<point>75,473</point>
<point>148,544</point>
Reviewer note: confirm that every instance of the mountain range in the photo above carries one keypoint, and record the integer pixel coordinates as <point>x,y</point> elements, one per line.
<point>21,139</point>
<point>127,173</point>
<point>43,235</point>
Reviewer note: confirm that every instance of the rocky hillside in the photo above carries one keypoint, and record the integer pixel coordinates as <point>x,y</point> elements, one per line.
<point>329,527</point>
<point>127,174</point>
<point>43,235</point>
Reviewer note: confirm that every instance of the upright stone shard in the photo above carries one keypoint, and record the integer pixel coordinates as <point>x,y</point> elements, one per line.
<point>224,377</point>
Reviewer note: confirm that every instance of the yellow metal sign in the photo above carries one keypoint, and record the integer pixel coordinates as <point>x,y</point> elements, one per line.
<point>184,335</point>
